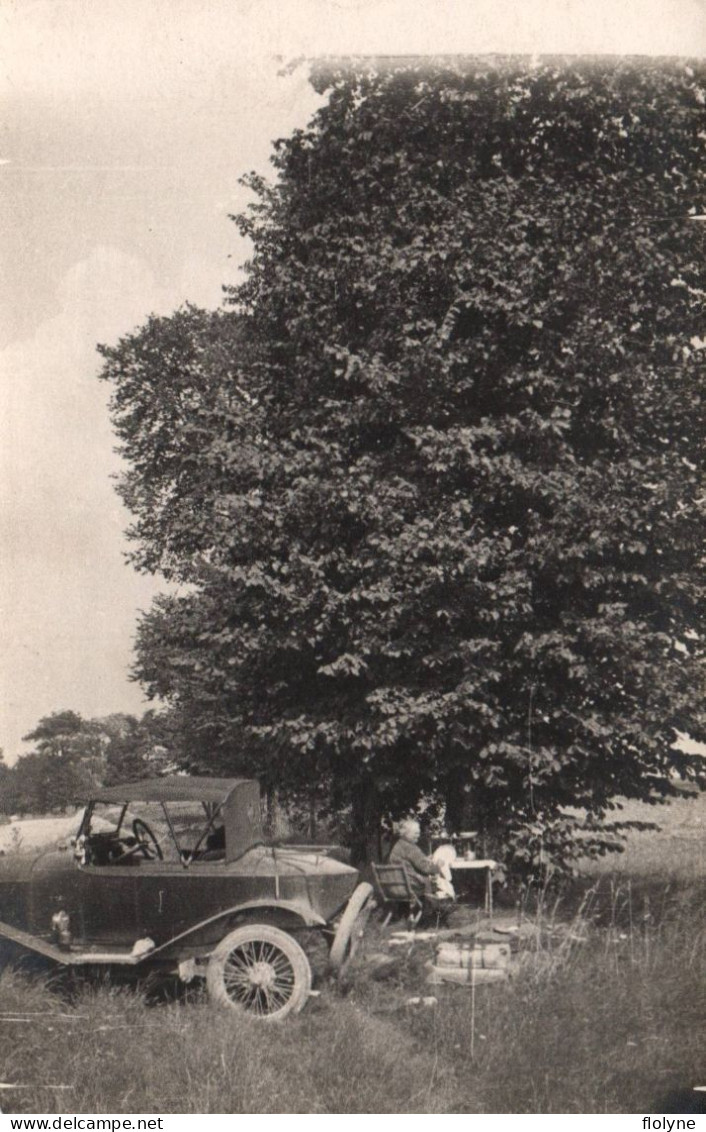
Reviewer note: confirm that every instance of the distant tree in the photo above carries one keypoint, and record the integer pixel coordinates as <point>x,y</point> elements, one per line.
<point>433,486</point>
<point>66,764</point>
<point>5,791</point>
<point>39,784</point>
<point>72,756</point>
<point>139,748</point>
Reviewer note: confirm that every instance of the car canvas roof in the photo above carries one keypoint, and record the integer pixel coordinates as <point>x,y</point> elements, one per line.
<point>172,788</point>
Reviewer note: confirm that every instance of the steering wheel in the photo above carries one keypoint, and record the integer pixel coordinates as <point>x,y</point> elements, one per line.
<point>146,840</point>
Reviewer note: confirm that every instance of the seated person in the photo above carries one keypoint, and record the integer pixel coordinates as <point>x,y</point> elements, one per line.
<point>420,868</point>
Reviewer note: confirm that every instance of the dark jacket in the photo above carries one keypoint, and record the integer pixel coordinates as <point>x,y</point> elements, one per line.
<point>418,864</point>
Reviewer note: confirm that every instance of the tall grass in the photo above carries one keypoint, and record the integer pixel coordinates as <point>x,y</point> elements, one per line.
<point>604,1014</point>
<point>108,1051</point>
<point>599,1018</point>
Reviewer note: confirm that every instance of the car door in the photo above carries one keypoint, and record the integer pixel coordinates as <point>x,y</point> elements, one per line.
<point>107,906</point>
<point>175,891</point>
<point>100,901</point>
<point>173,898</point>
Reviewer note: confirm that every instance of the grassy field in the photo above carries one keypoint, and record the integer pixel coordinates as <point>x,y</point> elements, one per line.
<point>604,1014</point>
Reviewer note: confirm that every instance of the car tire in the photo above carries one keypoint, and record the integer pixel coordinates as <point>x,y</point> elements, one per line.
<point>259,971</point>
<point>350,927</point>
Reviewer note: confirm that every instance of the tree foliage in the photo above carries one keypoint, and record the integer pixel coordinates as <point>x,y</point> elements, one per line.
<point>72,756</point>
<point>66,762</point>
<point>432,484</point>
<point>139,748</point>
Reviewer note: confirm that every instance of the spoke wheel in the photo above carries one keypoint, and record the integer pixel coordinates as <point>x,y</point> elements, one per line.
<point>260,971</point>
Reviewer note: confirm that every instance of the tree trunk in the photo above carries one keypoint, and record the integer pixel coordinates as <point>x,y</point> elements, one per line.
<point>365,832</point>
<point>271,811</point>
<point>458,802</point>
<point>312,818</point>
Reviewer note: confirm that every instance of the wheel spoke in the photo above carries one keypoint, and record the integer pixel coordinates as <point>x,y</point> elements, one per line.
<point>239,960</point>
<point>237,980</point>
<point>270,1000</point>
<point>247,995</point>
<point>250,953</point>
<point>241,978</point>
<point>278,997</point>
<point>268,953</point>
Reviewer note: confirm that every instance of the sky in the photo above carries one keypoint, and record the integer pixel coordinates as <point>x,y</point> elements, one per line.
<point>126,127</point>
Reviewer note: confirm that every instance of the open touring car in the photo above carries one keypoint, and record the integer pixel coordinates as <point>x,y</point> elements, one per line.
<point>174,874</point>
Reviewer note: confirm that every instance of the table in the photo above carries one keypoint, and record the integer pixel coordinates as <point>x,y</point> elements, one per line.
<point>462,864</point>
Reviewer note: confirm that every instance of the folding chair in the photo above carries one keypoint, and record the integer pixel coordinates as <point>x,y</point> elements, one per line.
<point>394,887</point>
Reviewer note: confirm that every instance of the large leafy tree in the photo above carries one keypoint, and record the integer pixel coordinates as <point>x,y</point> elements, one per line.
<point>431,487</point>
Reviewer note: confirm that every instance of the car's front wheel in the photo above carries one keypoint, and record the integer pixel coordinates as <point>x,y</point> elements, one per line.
<point>259,970</point>
<point>351,927</point>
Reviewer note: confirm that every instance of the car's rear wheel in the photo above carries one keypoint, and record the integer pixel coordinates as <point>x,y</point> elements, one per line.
<point>261,971</point>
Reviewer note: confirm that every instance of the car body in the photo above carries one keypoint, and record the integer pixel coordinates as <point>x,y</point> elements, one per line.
<point>175,874</point>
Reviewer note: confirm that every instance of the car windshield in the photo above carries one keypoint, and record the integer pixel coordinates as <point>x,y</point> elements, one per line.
<point>178,828</point>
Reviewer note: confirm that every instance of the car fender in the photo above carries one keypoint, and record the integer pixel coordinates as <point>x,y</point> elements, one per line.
<point>300,909</point>
<point>31,942</point>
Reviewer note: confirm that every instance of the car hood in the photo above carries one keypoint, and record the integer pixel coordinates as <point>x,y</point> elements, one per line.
<point>262,860</point>
<point>23,872</point>
<point>19,866</point>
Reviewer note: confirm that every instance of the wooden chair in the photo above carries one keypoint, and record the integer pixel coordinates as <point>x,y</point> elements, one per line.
<point>395,890</point>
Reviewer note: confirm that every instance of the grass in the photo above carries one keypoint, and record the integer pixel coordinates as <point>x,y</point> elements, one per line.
<point>111,1052</point>
<point>675,851</point>
<point>603,1015</point>
<point>604,1020</point>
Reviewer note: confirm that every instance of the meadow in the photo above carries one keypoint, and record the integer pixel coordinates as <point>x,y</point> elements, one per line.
<point>604,1014</point>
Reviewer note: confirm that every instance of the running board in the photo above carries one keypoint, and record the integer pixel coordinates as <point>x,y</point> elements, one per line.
<point>68,958</point>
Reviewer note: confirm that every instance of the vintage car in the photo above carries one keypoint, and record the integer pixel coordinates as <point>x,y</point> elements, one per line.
<point>174,874</point>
